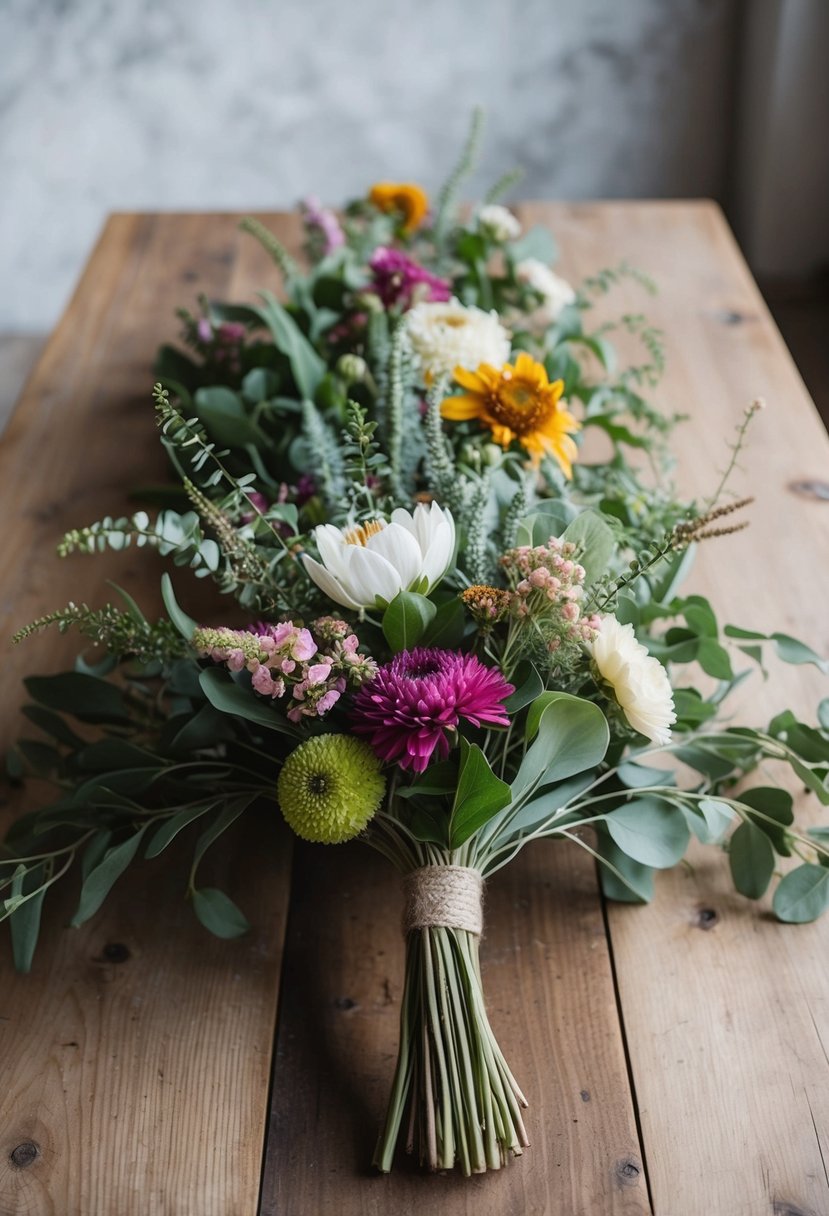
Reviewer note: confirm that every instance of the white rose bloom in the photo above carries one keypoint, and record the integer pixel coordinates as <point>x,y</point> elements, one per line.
<point>555,291</point>
<point>373,561</point>
<point>640,682</point>
<point>499,223</point>
<point>446,336</point>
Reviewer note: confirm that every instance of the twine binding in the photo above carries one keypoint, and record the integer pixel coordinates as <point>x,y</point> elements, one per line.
<point>445,897</point>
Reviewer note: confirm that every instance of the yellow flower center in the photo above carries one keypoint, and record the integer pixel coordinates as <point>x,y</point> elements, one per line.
<point>359,534</point>
<point>520,406</point>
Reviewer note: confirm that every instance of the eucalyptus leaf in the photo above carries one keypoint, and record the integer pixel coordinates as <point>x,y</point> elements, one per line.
<point>649,830</point>
<point>570,736</point>
<point>103,877</point>
<point>802,895</point>
<point>751,858</point>
<point>628,881</point>
<point>183,623</point>
<point>596,544</point>
<point>171,827</point>
<point>218,913</point>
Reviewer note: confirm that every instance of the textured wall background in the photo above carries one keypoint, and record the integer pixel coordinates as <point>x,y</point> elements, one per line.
<point>252,103</point>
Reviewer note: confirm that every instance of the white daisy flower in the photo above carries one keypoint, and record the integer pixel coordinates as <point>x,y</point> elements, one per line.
<point>446,336</point>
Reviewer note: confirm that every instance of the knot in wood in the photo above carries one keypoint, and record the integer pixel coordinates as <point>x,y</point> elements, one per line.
<point>627,1171</point>
<point>24,1154</point>
<point>116,952</point>
<point>707,918</point>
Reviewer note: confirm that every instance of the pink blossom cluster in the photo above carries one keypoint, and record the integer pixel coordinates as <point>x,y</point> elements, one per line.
<point>322,226</point>
<point>398,280</point>
<point>548,584</point>
<point>221,344</point>
<point>286,659</point>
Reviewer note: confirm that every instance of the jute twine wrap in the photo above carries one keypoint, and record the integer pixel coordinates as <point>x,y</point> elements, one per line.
<point>446,897</point>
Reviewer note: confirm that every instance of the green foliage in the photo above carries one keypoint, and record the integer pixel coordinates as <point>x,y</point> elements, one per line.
<point>406,620</point>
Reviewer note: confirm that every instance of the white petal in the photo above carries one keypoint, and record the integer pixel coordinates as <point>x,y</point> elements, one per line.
<point>332,549</point>
<point>327,583</point>
<point>439,555</point>
<point>400,549</point>
<point>372,576</point>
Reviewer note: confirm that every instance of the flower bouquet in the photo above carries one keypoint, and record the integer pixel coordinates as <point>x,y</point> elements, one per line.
<point>444,629</point>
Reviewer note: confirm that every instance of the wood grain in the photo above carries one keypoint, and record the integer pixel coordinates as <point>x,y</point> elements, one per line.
<point>551,1001</point>
<point>725,1028</point>
<point>136,1056</point>
<point>728,1029</point>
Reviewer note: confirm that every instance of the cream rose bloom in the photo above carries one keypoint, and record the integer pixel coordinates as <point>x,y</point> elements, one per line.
<point>555,291</point>
<point>639,681</point>
<point>446,336</point>
<point>499,223</point>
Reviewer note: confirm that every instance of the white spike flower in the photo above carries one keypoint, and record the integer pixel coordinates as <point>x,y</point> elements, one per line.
<point>639,681</point>
<point>367,565</point>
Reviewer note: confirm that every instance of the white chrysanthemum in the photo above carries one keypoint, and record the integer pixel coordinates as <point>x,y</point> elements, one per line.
<point>446,336</point>
<point>555,291</point>
<point>499,223</point>
<point>640,682</point>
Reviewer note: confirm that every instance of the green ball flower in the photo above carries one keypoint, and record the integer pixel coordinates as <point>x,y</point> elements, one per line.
<point>329,788</point>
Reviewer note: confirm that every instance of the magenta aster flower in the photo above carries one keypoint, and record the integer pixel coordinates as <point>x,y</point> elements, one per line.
<point>411,705</point>
<point>399,280</point>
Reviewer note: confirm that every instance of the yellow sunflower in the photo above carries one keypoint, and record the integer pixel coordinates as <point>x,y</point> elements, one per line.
<point>405,197</point>
<point>517,403</point>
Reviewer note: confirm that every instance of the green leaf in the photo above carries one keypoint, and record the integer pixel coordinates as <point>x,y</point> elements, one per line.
<point>85,697</point>
<point>218,913</point>
<point>699,616</point>
<point>632,882</point>
<point>53,724</point>
<point>479,796</point>
<point>751,858</point>
<point>718,817</point>
<point>650,831</point>
<point>528,686</point>
<point>24,921</point>
<point>225,418</point>
<point>714,660</point>
<point>306,365</point>
<point>537,242</point>
<point>226,816</point>
<point>102,878</point>
<point>231,698</point>
<point>406,620</point>
<point>448,625</point>
<point>633,774</point>
<point>775,804</point>
<point>571,735</point>
<point>596,543</point>
<point>183,623</point>
<point>171,827</point>
<point>802,895</point>
<point>109,754</point>
<point>789,649</point>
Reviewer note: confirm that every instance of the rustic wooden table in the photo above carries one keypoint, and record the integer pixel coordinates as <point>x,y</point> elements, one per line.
<point>675,1056</point>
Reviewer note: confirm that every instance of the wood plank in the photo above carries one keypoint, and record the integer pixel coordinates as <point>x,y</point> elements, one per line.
<point>137,1053</point>
<point>728,1030</point>
<point>551,1001</point>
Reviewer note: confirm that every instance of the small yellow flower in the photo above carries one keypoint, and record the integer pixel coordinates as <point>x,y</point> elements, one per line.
<point>517,403</point>
<point>405,197</point>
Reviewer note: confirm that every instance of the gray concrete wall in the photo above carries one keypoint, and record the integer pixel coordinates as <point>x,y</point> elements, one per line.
<point>120,104</point>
